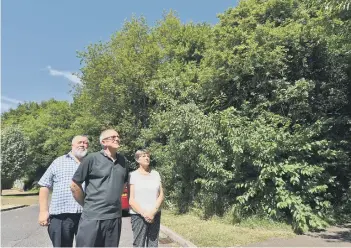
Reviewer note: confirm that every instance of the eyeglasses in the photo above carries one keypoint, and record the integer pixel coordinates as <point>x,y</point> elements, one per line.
<point>114,138</point>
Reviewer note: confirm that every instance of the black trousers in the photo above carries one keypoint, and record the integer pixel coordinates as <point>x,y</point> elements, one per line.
<point>99,233</point>
<point>62,229</point>
<point>145,234</point>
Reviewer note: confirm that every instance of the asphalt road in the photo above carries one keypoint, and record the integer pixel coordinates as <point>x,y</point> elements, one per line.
<point>19,228</point>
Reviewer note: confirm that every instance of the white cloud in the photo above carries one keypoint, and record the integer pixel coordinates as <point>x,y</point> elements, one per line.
<point>11,100</point>
<point>7,103</point>
<point>66,74</point>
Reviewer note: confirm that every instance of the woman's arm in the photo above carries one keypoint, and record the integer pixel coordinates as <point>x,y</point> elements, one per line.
<point>151,214</point>
<point>159,200</point>
<point>132,203</point>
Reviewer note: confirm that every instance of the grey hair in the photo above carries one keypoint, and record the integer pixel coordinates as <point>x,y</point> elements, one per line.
<point>140,152</point>
<point>77,137</point>
<point>103,134</point>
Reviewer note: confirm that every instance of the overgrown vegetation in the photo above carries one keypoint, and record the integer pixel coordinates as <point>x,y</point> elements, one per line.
<point>248,117</point>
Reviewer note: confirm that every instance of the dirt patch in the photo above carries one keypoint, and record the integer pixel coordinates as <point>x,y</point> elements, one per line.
<point>165,241</point>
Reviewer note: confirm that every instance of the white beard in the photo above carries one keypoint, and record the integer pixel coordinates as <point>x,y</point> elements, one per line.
<point>80,153</point>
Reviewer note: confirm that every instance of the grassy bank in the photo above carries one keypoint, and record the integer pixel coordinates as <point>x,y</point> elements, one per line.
<point>216,232</point>
<point>19,200</point>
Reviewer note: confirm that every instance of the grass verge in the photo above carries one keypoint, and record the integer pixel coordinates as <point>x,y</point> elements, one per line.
<point>215,232</point>
<point>19,200</point>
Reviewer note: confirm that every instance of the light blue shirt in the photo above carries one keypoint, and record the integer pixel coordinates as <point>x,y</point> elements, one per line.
<point>58,177</point>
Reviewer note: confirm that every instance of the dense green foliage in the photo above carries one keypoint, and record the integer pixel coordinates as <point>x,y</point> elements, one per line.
<point>14,154</point>
<point>251,116</point>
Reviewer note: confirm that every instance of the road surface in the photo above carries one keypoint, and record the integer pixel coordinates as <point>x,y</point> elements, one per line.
<point>19,228</point>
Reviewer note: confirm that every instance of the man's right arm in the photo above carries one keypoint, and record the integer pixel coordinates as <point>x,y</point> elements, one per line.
<point>43,206</point>
<point>43,199</point>
<point>46,183</point>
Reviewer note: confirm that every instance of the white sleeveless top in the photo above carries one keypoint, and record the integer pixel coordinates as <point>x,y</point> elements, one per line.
<point>146,189</point>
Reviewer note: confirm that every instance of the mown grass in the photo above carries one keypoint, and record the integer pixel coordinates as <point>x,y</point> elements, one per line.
<point>34,191</point>
<point>218,232</point>
<point>19,200</point>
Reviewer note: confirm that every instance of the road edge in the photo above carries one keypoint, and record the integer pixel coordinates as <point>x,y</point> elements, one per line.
<point>14,207</point>
<point>176,237</point>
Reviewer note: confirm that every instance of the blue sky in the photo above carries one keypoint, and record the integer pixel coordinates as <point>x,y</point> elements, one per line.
<point>40,39</point>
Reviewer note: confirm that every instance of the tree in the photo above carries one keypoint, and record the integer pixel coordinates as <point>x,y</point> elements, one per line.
<point>47,128</point>
<point>290,59</point>
<point>14,155</point>
<point>140,70</point>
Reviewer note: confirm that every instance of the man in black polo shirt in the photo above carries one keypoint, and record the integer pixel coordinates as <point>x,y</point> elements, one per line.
<point>105,174</point>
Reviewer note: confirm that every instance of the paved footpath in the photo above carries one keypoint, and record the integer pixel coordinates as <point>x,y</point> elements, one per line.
<point>19,228</point>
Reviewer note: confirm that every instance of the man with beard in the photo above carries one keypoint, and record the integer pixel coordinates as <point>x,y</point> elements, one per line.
<point>63,216</point>
<point>105,174</point>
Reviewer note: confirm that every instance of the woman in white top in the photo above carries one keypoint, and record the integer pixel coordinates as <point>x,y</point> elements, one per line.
<point>145,199</point>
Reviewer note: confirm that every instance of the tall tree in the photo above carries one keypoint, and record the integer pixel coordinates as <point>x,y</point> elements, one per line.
<point>14,155</point>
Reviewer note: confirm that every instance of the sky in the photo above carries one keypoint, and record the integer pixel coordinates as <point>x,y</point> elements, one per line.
<point>40,39</point>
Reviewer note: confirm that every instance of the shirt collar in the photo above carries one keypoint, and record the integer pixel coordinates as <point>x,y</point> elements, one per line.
<point>103,153</point>
<point>70,155</point>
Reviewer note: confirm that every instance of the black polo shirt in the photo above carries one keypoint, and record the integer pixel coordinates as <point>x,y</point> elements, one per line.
<point>104,180</point>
